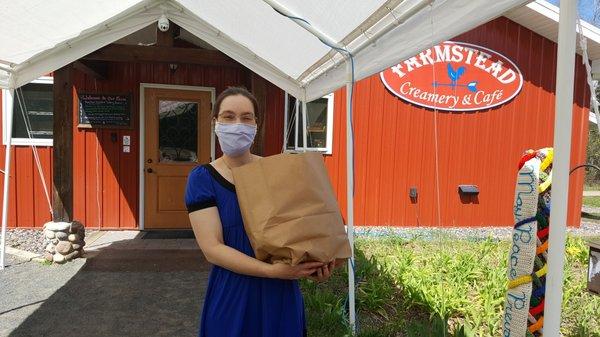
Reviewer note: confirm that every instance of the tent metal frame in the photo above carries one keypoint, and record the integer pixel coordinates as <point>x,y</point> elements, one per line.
<point>562,136</point>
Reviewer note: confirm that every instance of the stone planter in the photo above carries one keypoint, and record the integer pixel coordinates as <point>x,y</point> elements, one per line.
<point>64,241</point>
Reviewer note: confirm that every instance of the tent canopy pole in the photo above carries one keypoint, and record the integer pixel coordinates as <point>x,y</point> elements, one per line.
<point>350,196</point>
<point>565,72</point>
<point>9,123</point>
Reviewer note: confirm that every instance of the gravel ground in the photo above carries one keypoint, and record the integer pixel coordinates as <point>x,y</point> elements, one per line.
<point>31,240</point>
<point>428,233</point>
<point>26,286</point>
<point>120,292</point>
<point>589,227</point>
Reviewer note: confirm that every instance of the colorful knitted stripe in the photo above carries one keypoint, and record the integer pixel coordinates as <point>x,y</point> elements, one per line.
<point>524,305</point>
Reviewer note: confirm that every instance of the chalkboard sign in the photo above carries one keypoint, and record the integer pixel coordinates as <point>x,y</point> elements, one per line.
<point>104,110</point>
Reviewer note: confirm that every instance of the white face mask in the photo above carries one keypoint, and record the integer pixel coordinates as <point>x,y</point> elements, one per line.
<point>235,139</point>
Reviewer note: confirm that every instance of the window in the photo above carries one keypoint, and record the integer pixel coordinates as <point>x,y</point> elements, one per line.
<point>177,131</point>
<point>319,125</point>
<point>38,101</point>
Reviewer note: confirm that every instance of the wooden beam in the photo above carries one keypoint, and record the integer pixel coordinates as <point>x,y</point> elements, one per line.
<point>131,53</point>
<point>167,38</point>
<point>258,86</point>
<point>62,206</point>
<point>95,69</point>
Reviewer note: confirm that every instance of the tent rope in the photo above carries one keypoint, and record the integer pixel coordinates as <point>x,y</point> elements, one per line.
<point>291,123</point>
<point>586,61</point>
<point>27,121</point>
<point>436,142</point>
<point>435,127</point>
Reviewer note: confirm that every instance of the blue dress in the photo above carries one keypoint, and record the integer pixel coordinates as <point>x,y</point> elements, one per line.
<point>238,305</point>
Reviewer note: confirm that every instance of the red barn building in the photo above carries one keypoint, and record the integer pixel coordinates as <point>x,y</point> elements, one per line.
<point>132,176</point>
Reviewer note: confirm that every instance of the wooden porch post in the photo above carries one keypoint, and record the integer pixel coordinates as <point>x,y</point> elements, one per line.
<point>258,86</point>
<point>62,206</point>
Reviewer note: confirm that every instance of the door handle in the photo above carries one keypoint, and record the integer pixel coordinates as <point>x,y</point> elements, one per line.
<point>149,170</point>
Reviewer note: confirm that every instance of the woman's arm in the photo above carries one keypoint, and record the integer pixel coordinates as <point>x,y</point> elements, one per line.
<point>207,229</point>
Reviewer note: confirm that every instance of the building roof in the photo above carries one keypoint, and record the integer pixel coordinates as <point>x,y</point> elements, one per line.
<point>542,17</point>
<point>40,36</point>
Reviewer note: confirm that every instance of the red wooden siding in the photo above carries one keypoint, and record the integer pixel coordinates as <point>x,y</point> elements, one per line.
<point>28,206</point>
<point>394,144</point>
<point>395,147</point>
<point>105,180</point>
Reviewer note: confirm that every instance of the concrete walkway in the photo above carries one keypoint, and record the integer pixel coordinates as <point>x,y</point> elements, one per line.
<point>124,286</point>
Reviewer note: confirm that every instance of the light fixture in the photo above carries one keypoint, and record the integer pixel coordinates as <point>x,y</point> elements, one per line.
<point>163,23</point>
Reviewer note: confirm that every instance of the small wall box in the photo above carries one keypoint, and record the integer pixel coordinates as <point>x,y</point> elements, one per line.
<point>594,267</point>
<point>468,189</point>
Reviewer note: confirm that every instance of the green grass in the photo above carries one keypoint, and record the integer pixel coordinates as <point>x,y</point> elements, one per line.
<point>442,287</point>
<point>591,201</point>
<point>45,263</point>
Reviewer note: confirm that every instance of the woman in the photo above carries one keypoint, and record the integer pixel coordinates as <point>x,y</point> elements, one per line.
<point>245,297</point>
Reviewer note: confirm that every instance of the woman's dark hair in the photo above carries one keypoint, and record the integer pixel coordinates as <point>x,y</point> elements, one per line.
<point>234,91</point>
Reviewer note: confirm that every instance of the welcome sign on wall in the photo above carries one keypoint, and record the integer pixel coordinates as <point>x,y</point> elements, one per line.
<point>455,76</point>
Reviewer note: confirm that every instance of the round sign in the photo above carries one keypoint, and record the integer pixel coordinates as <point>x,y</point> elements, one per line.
<point>455,76</point>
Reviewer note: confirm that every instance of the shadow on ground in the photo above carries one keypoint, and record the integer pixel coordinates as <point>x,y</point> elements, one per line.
<point>126,292</point>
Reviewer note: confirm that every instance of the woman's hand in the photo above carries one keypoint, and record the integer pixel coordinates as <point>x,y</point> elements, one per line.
<point>287,272</point>
<point>323,273</point>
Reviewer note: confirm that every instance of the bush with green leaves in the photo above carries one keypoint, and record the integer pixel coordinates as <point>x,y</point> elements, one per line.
<point>440,287</point>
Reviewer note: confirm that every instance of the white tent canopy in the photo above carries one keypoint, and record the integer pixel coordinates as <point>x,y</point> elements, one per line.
<point>41,36</point>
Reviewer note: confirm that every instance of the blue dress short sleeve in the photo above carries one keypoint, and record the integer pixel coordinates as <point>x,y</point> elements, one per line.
<point>199,190</point>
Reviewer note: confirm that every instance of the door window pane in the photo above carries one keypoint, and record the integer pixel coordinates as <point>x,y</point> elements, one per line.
<point>178,131</point>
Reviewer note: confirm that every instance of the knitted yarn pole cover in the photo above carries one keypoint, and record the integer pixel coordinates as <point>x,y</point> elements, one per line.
<point>524,304</point>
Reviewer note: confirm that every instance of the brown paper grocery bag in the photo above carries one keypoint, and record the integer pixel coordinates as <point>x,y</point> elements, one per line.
<point>289,209</point>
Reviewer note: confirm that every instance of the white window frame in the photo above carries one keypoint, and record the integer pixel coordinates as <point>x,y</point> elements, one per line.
<point>7,101</point>
<point>328,149</point>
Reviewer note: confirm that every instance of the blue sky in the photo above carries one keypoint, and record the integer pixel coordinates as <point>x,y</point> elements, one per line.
<point>586,10</point>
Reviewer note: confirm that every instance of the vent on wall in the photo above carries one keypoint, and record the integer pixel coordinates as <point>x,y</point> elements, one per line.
<point>468,189</point>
